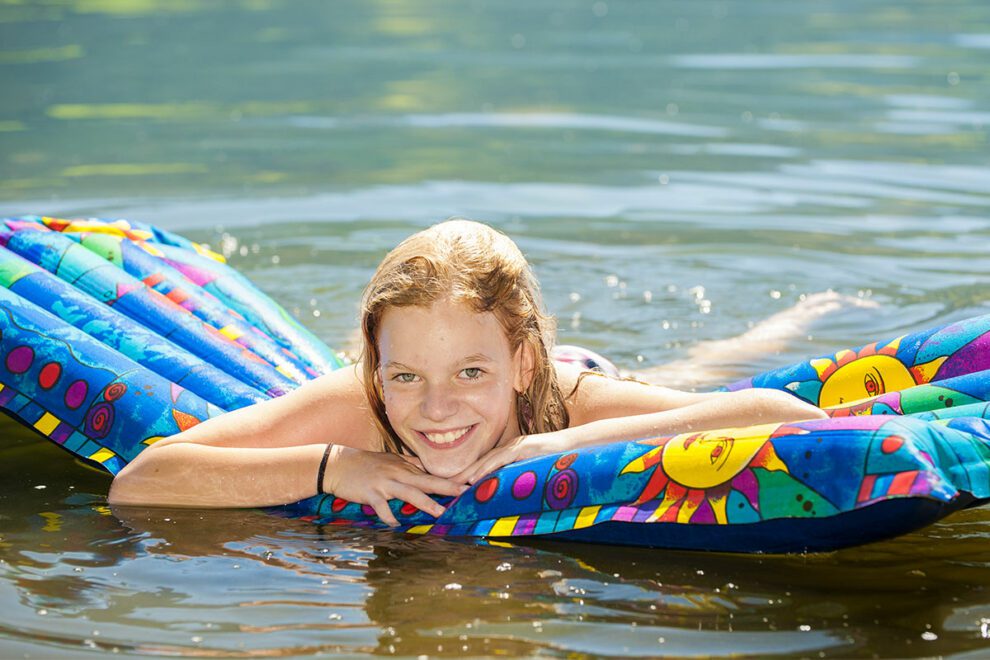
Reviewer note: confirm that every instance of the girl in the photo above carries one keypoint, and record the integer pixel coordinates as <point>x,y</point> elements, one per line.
<point>455,380</point>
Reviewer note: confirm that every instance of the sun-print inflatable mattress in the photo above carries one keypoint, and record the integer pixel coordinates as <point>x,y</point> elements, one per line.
<point>115,334</point>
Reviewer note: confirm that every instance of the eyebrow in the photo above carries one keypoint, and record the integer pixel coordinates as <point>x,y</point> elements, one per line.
<point>474,357</point>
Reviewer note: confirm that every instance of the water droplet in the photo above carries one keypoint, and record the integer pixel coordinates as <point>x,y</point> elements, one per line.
<point>453,586</point>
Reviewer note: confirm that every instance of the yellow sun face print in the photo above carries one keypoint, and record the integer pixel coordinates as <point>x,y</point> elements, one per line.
<point>705,460</point>
<point>694,473</point>
<point>851,376</point>
<point>866,377</point>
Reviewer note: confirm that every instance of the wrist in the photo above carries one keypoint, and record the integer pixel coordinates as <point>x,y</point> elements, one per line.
<point>329,471</point>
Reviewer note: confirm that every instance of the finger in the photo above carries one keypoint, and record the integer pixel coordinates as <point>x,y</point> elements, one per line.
<point>412,460</point>
<point>429,483</point>
<point>490,464</point>
<point>420,500</point>
<point>494,461</point>
<point>384,513</point>
<point>480,467</point>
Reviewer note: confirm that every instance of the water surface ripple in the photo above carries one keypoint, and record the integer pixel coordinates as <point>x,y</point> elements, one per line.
<point>675,171</point>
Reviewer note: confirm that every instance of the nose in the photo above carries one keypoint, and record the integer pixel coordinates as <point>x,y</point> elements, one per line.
<point>439,403</point>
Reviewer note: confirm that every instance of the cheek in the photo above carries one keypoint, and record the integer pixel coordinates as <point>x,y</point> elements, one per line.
<point>494,402</point>
<point>396,405</point>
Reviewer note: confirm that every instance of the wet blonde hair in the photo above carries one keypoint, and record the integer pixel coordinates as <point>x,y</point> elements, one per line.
<point>470,263</point>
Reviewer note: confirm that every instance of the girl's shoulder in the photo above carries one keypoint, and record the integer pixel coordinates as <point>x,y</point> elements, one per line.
<point>338,401</point>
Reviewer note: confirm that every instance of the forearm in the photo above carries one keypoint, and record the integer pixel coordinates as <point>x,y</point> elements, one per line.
<point>196,475</point>
<point>732,409</point>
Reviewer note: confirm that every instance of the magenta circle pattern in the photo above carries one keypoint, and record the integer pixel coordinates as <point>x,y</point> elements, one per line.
<point>524,485</point>
<point>561,489</point>
<point>20,359</point>
<point>75,394</point>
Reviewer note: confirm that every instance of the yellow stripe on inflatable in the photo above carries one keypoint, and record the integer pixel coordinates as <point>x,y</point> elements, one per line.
<point>150,248</point>
<point>231,332</point>
<point>47,423</point>
<point>102,456</point>
<point>688,507</point>
<point>204,251</point>
<point>419,529</point>
<point>587,516</point>
<point>504,526</point>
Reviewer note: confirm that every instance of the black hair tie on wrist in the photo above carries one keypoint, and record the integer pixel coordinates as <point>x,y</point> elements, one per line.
<point>323,469</point>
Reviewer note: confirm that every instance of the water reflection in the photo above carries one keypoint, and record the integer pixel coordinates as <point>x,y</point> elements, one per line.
<point>242,583</point>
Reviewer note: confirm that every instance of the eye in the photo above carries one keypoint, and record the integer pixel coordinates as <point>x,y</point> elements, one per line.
<point>472,373</point>
<point>404,377</point>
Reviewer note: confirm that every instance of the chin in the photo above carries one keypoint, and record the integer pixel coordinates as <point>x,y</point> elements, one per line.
<point>444,468</point>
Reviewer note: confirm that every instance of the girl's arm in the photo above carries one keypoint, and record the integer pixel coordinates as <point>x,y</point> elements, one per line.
<point>270,453</point>
<point>604,410</point>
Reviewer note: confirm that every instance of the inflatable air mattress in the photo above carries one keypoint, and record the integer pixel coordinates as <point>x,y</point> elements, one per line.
<point>115,334</point>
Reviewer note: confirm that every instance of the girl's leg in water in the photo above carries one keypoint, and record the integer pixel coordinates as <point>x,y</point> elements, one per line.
<point>714,363</point>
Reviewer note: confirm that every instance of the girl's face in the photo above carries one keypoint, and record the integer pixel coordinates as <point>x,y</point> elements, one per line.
<point>449,379</point>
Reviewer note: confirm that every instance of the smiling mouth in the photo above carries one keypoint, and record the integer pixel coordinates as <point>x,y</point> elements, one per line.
<point>446,439</point>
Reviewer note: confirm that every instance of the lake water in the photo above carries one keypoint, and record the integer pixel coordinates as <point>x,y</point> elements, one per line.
<point>676,172</point>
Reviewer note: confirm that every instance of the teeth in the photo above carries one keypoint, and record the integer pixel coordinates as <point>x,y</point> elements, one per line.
<point>447,437</point>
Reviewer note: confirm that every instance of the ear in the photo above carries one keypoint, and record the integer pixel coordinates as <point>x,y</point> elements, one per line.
<point>525,360</point>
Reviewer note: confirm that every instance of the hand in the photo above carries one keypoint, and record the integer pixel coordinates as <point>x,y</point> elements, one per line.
<point>517,449</point>
<point>373,478</point>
